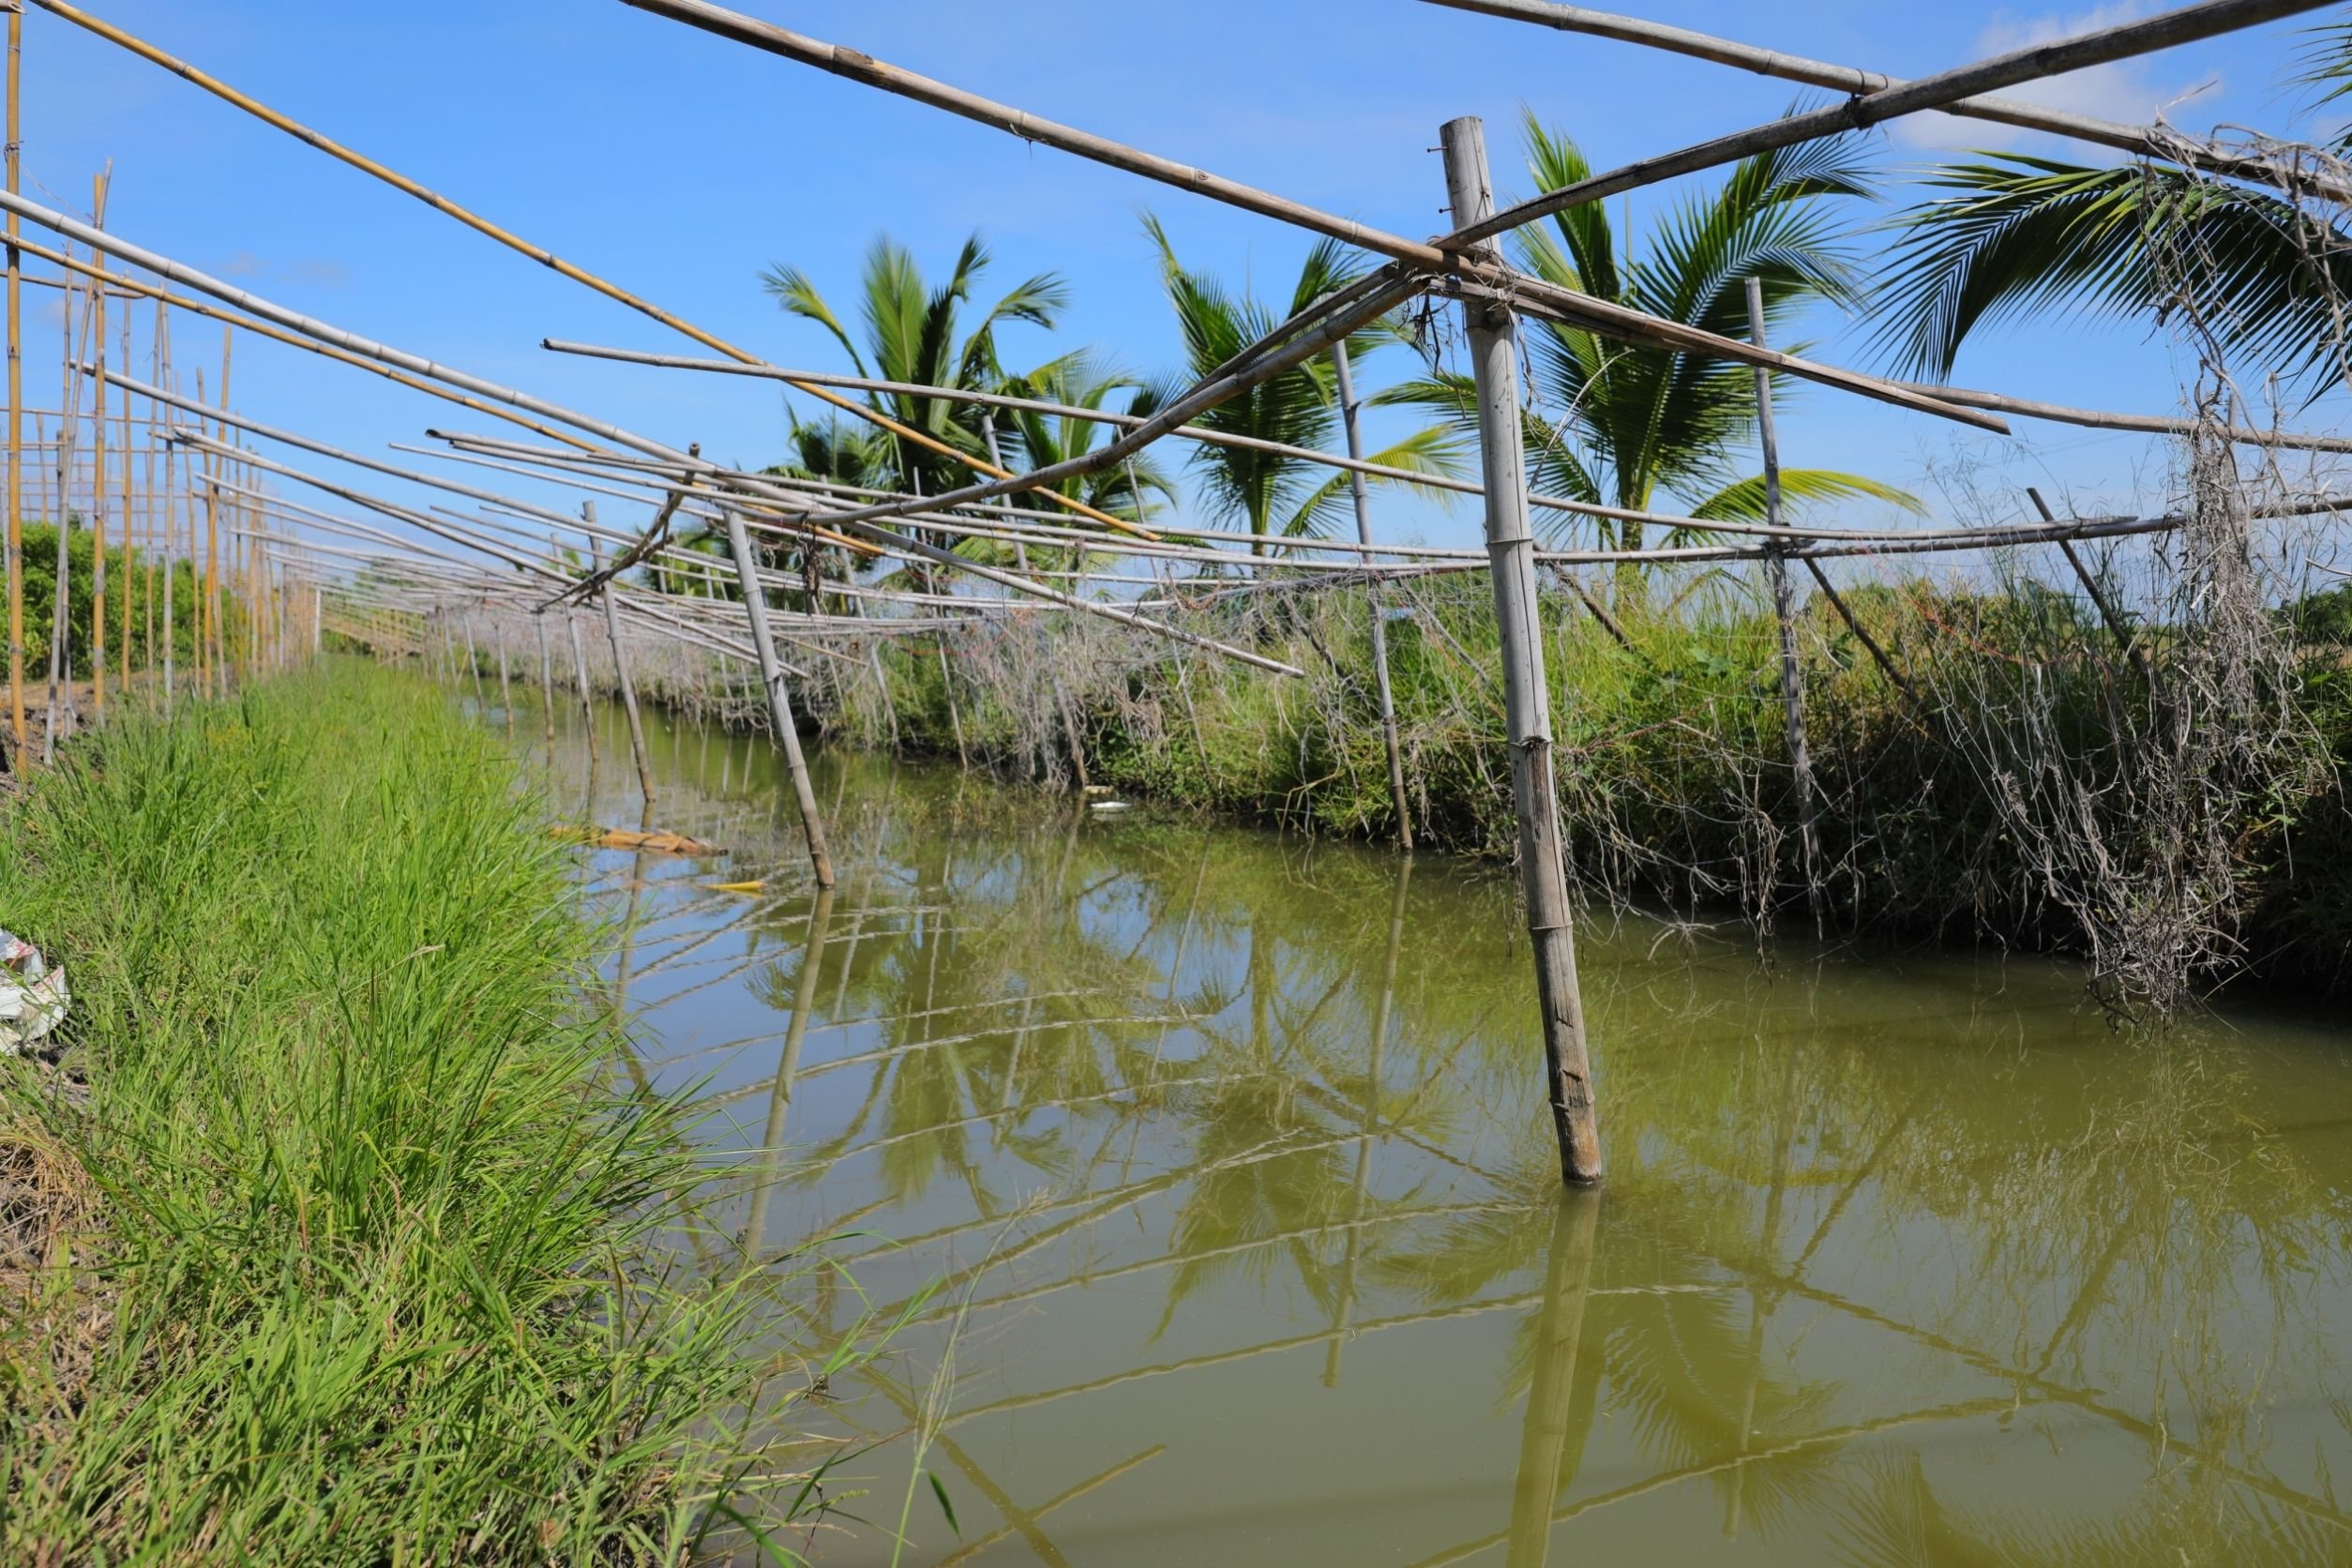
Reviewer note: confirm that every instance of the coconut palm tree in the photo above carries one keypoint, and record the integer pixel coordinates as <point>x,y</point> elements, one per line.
<point>917,333</point>
<point>1618,425</point>
<point>1275,495</point>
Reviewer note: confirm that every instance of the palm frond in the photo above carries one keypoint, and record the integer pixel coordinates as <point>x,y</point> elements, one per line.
<point>2025,234</point>
<point>1743,501</point>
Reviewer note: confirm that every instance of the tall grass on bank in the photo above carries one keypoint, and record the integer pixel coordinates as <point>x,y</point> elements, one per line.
<point>355,1246</point>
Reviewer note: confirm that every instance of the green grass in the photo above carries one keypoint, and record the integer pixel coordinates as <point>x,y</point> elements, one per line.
<point>359,1237</point>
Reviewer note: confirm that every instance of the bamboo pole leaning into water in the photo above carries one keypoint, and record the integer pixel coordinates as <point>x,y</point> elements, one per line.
<point>1792,691</point>
<point>779,696</point>
<point>1511,551</point>
<point>620,663</point>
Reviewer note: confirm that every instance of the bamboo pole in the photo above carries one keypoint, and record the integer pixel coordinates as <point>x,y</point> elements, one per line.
<point>514,242</point>
<point>2116,623</point>
<point>779,697</point>
<point>1852,80</point>
<point>212,539</point>
<point>473,663</point>
<point>506,687</point>
<point>2102,46</point>
<point>98,465</point>
<point>171,487</point>
<point>16,391</point>
<point>758,488</point>
<point>1510,546</point>
<point>1343,381</point>
<point>587,702</point>
<point>621,666</point>
<point>1792,694</point>
<point>547,679</point>
<point>130,577</point>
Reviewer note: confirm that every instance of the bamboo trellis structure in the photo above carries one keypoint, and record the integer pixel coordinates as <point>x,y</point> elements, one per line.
<point>295,571</point>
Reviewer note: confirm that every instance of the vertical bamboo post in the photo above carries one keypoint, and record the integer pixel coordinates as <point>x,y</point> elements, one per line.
<point>318,620</point>
<point>621,663</point>
<point>98,460</point>
<point>587,704</point>
<point>1344,382</point>
<point>506,687</point>
<point>547,677</point>
<point>16,393</point>
<point>61,612</point>
<point>130,579</point>
<point>1511,556</point>
<point>171,488</point>
<point>1054,671</point>
<point>473,663</point>
<point>779,697</point>
<point>218,649</point>
<point>1792,691</point>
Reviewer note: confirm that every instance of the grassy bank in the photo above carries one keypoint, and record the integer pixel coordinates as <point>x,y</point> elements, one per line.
<point>2011,772</point>
<point>352,1256</point>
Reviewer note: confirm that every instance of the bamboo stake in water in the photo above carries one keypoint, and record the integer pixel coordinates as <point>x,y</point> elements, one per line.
<point>620,663</point>
<point>1792,691</point>
<point>587,704</point>
<point>1344,384</point>
<point>505,688</point>
<point>16,394</point>
<point>1511,551</point>
<point>779,696</point>
<point>547,677</point>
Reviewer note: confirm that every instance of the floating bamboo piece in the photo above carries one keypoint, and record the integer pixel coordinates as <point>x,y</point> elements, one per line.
<point>1792,691</point>
<point>1511,544</point>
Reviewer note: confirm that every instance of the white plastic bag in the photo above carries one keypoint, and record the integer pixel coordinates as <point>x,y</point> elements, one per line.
<point>33,996</point>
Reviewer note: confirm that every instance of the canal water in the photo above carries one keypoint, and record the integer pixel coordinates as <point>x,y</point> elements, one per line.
<point>1215,1167</point>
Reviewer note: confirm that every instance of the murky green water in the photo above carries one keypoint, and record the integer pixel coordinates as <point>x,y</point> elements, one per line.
<point>1230,1155</point>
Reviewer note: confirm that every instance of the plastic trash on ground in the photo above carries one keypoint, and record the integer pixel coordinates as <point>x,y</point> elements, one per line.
<point>33,996</point>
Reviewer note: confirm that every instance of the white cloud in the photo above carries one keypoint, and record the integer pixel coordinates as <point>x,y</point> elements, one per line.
<point>2129,92</point>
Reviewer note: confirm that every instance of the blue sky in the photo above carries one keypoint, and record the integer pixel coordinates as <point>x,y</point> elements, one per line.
<point>680,165</point>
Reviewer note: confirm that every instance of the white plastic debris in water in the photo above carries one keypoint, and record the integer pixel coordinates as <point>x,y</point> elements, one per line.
<point>1111,805</point>
<point>31,995</point>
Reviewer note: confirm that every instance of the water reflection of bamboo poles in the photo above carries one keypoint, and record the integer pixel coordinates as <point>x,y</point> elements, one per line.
<point>1544,1430</point>
<point>788,1068</point>
<point>1344,1304</point>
